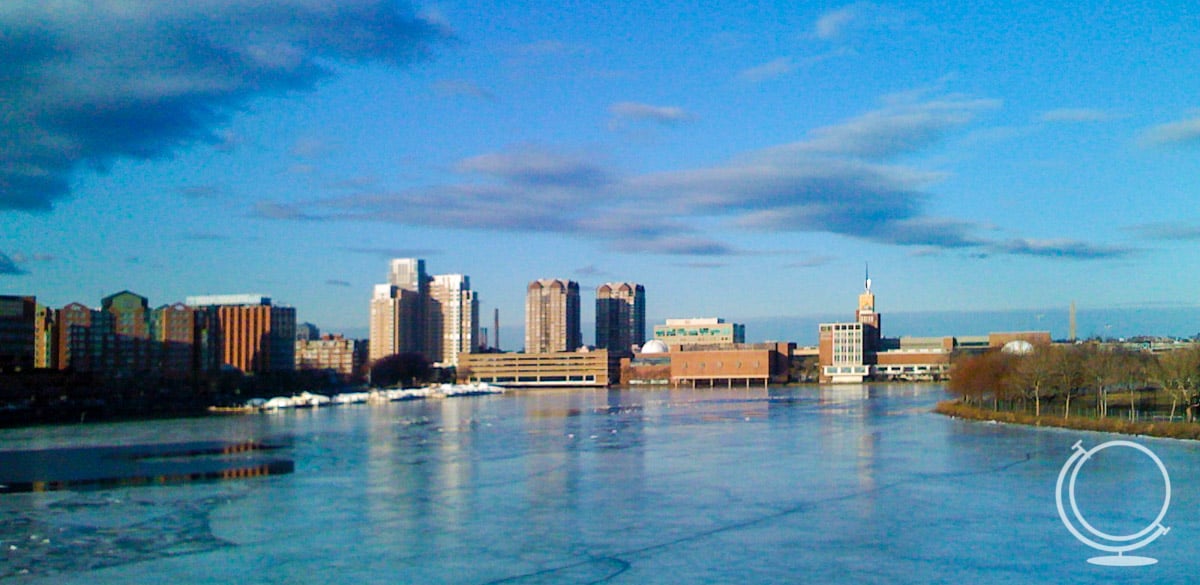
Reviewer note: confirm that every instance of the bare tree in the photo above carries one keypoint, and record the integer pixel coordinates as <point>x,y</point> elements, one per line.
<point>1178,372</point>
<point>1033,375</point>
<point>1067,374</point>
<point>979,377</point>
<point>1134,368</point>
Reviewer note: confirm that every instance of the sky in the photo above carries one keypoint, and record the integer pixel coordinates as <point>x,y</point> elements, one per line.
<point>740,161</point>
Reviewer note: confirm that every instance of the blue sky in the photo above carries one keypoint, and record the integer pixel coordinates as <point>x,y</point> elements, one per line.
<point>739,161</point>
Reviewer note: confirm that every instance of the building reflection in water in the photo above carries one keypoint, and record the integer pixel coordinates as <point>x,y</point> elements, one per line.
<point>849,413</point>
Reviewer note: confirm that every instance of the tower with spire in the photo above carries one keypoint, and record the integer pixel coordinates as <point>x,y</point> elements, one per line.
<point>868,317</point>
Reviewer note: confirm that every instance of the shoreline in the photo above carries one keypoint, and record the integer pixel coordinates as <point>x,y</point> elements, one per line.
<point>1164,429</point>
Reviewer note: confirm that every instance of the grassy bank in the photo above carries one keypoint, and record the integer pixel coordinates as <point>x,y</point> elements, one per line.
<point>1173,430</point>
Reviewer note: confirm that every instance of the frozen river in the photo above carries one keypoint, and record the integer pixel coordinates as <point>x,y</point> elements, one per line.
<point>791,485</point>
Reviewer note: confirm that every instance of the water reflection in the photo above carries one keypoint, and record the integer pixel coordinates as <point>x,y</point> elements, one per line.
<point>796,484</point>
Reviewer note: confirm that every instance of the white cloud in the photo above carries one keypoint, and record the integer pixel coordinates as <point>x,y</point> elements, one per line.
<point>623,112</point>
<point>460,87</point>
<point>1060,248</point>
<point>769,70</point>
<point>142,78</point>
<point>1171,133</point>
<point>896,129</point>
<point>9,267</point>
<point>836,24</point>
<point>833,23</point>
<point>842,179</point>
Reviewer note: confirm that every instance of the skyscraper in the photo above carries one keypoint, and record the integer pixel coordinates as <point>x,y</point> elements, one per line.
<point>393,321</point>
<point>552,316</point>
<point>620,316</point>
<point>436,316</point>
<point>409,274</point>
<point>399,316</point>
<point>453,318</point>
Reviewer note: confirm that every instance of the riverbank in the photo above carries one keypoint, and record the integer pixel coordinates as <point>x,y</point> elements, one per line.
<point>1171,430</point>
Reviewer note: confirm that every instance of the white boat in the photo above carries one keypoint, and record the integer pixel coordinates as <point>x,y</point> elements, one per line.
<point>279,402</point>
<point>350,398</point>
<point>310,400</point>
<point>472,389</point>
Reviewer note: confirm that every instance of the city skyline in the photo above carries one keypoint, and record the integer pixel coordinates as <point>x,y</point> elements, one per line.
<point>1009,160</point>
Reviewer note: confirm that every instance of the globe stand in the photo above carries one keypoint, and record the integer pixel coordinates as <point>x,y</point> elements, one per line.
<point>1120,560</point>
<point>1148,534</point>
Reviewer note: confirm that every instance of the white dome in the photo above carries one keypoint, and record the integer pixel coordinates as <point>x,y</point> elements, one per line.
<point>1017,346</point>
<point>654,346</point>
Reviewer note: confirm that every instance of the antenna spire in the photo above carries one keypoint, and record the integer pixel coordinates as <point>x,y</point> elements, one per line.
<point>868,275</point>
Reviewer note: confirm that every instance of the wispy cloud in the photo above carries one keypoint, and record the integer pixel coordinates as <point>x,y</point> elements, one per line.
<point>21,258</point>
<point>141,79</point>
<point>205,237</point>
<point>1170,231</point>
<point>396,252</point>
<point>462,88</point>
<point>1078,115</point>
<point>1070,249</point>
<point>813,261</point>
<point>677,246</point>
<point>354,183</point>
<point>9,267</point>
<point>702,265</point>
<point>537,167</point>
<point>838,23</point>
<point>591,270</point>
<point>271,210</point>
<point>898,128</point>
<point>833,23</point>
<point>309,147</point>
<point>201,191</point>
<point>1173,133</point>
<point>846,179</point>
<point>547,48</point>
<point>626,112</point>
<point>769,70</point>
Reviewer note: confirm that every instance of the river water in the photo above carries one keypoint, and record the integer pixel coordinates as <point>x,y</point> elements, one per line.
<point>789,485</point>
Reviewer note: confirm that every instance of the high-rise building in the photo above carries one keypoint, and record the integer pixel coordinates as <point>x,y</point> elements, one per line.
<point>552,316</point>
<point>399,311</point>
<point>395,313</point>
<point>307,331</point>
<point>620,316</point>
<point>453,319</point>
<point>254,335</point>
<point>18,316</point>
<point>409,274</point>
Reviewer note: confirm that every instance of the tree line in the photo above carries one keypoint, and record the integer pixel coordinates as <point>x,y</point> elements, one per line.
<point>1104,378</point>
